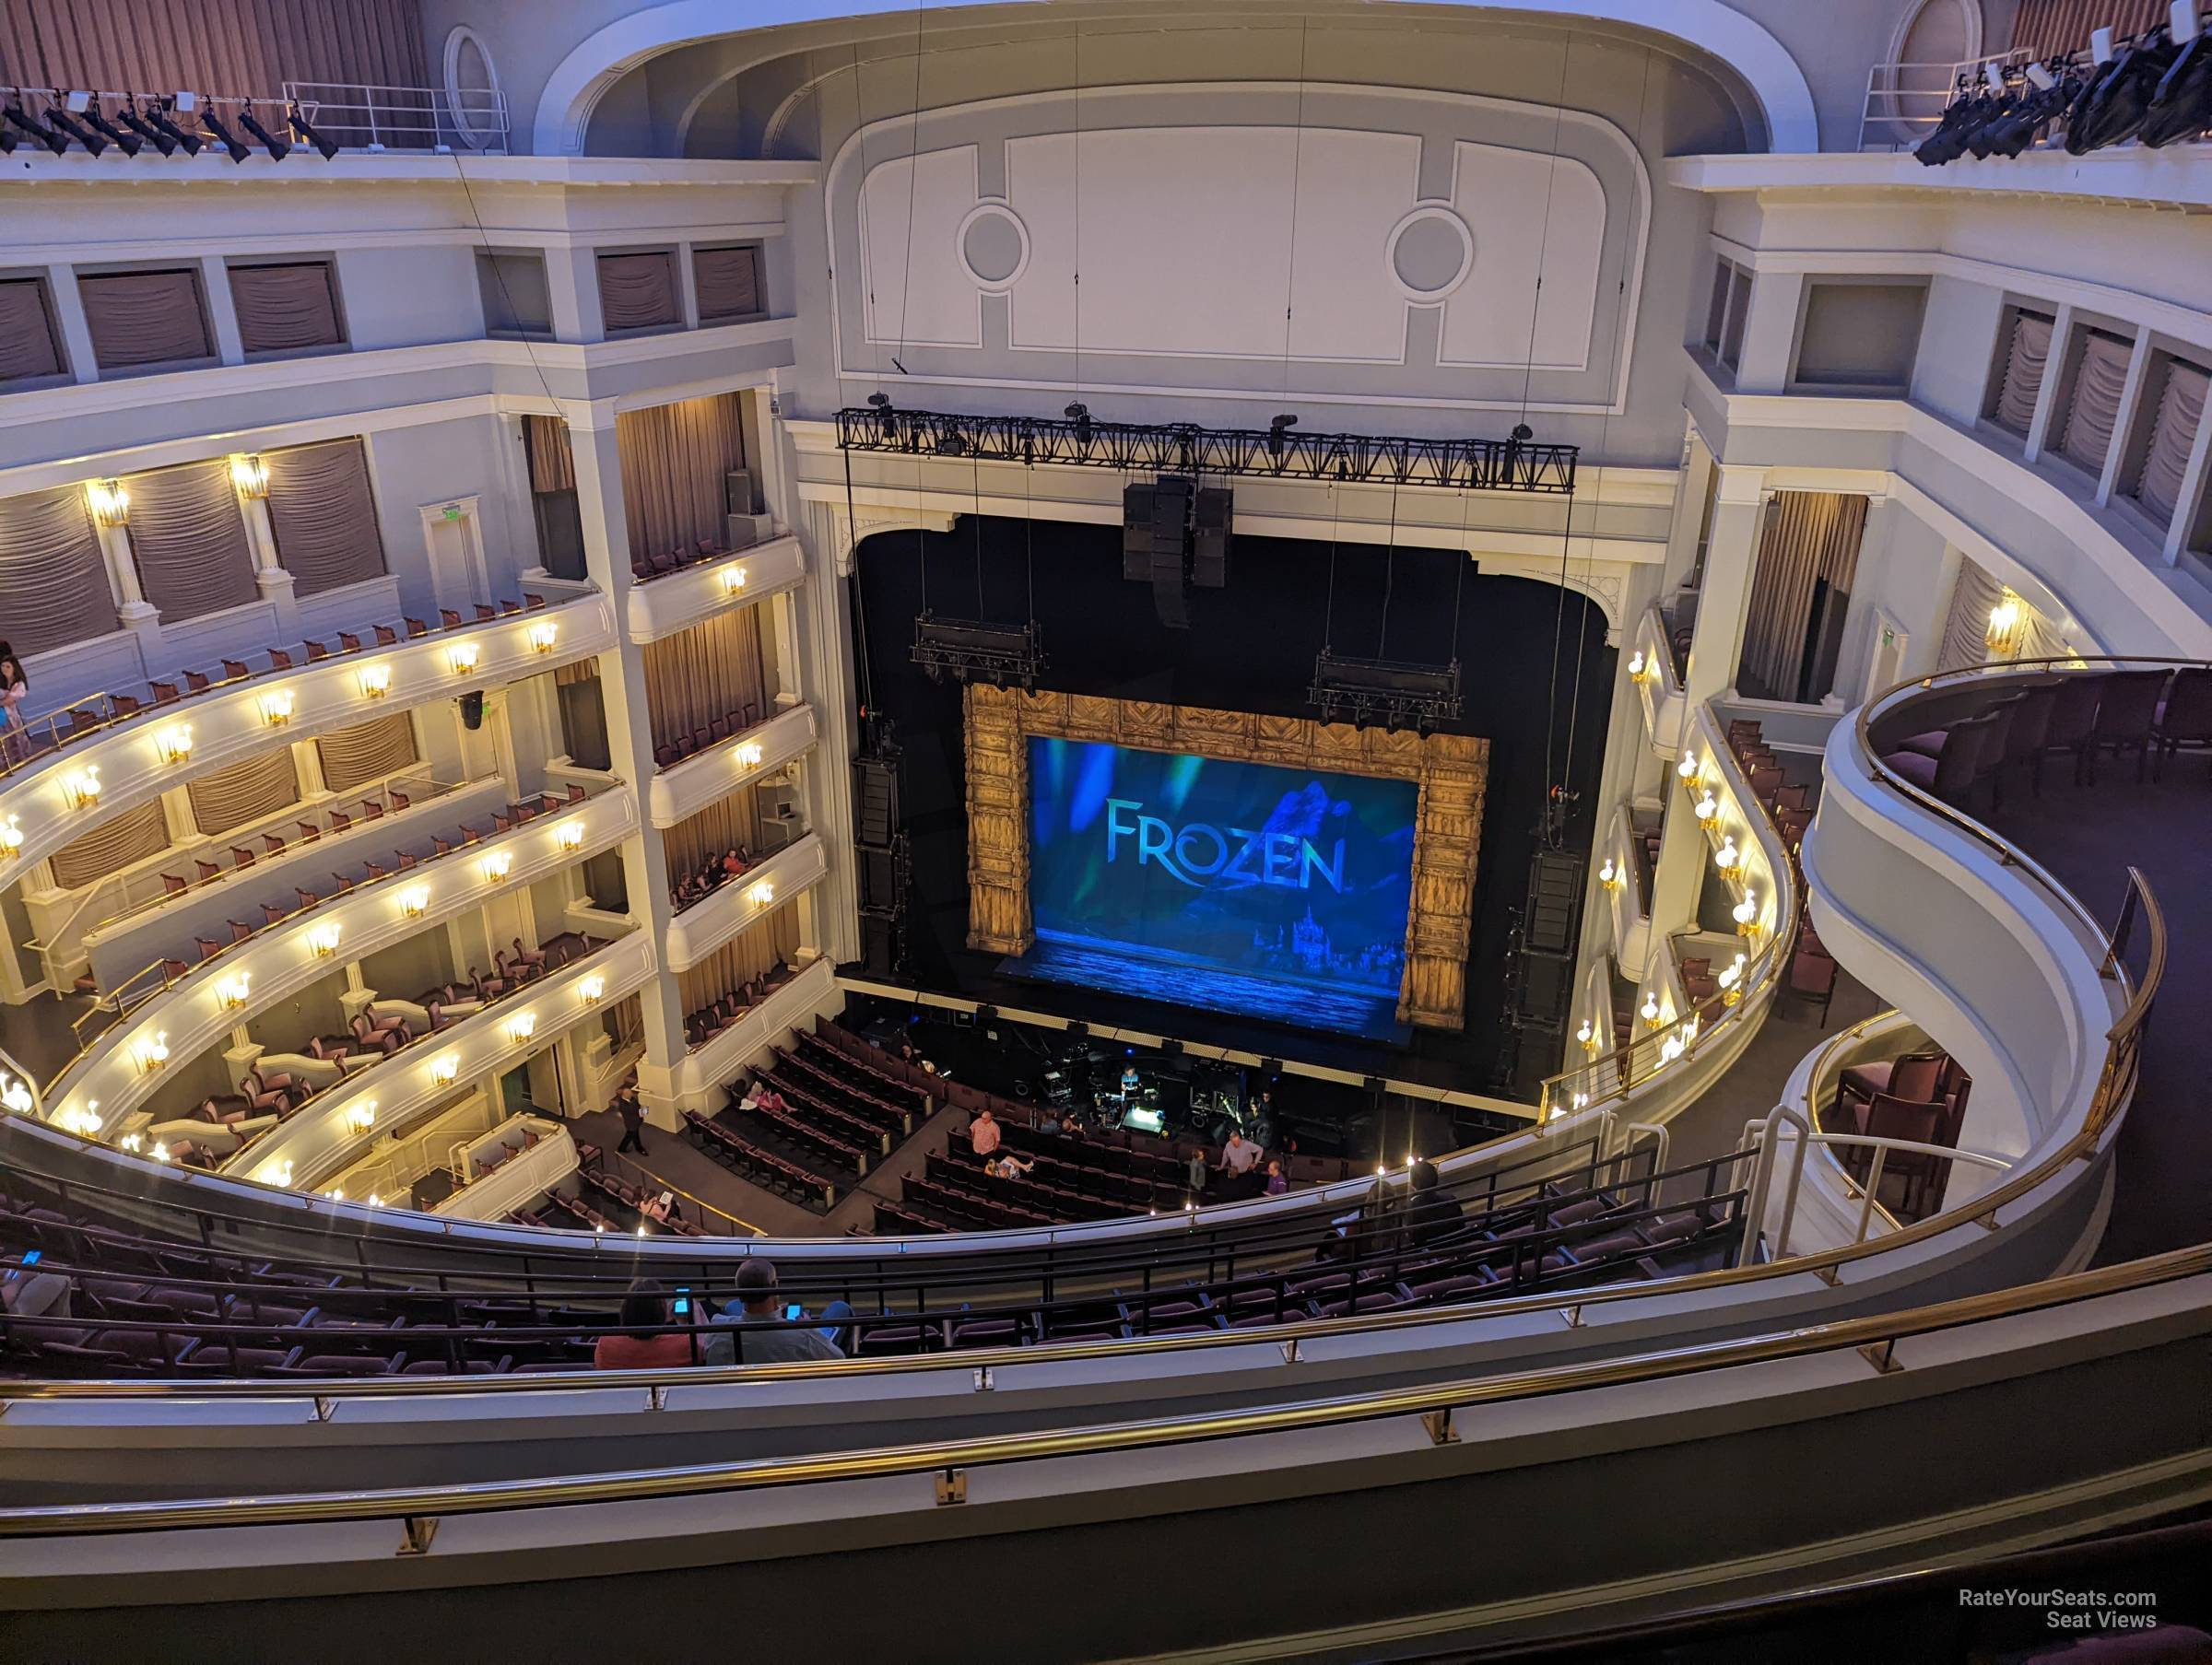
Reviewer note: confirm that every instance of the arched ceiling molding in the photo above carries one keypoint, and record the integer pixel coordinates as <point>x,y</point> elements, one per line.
<point>602,58</point>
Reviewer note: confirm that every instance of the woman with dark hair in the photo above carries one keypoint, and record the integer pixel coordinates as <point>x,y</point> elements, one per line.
<point>647,1302</point>
<point>14,686</point>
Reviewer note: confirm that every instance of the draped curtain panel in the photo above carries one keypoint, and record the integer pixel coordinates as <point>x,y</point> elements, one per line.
<point>2098,386</point>
<point>546,444</point>
<point>731,823</point>
<point>2181,412</point>
<point>2024,371</point>
<point>52,573</point>
<point>711,670</point>
<point>738,961</point>
<point>637,291</point>
<point>246,791</point>
<point>28,345</point>
<point>674,458</point>
<point>2044,27</point>
<point>1811,535</point>
<point>626,1024</point>
<point>247,49</point>
<point>323,515</point>
<point>130,838</point>
<point>286,309</point>
<point>368,751</point>
<point>144,317</point>
<point>728,281</point>
<point>189,537</point>
<point>1966,628</point>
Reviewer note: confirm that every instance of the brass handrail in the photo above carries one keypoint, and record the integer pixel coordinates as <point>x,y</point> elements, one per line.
<point>1880,1331</point>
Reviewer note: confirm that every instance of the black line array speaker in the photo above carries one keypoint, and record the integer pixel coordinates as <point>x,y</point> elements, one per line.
<point>1554,894</point>
<point>879,878</point>
<point>880,944</point>
<point>1170,529</point>
<point>1136,533</point>
<point>472,708</point>
<point>876,785</point>
<point>1210,539</point>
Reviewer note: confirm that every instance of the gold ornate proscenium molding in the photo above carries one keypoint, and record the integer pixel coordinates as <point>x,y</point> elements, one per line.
<point>1452,771</point>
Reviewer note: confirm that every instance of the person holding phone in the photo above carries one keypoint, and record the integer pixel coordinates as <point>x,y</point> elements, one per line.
<point>742,1336</point>
<point>647,1302</point>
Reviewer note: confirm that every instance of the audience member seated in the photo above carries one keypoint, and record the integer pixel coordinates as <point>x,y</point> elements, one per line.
<point>740,1336</point>
<point>710,875</point>
<point>646,1303</point>
<point>1432,1213</point>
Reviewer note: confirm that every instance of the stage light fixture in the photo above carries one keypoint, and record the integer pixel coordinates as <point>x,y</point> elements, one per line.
<point>1636,666</point>
<point>733,581</point>
<point>84,106</point>
<point>1708,809</point>
<point>1080,414</point>
<point>277,149</point>
<point>543,637</point>
<point>522,1027</point>
<point>1278,434</point>
<point>230,141</point>
<point>277,708</point>
<point>16,115</point>
<point>497,865</point>
<point>157,112</point>
<point>329,147</point>
<point>127,113</point>
<point>749,755</point>
<point>569,835</point>
<point>884,419</point>
<point>62,123</point>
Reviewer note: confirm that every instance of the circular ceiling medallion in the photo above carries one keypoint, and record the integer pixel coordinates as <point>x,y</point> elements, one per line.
<point>1430,254</point>
<point>994,245</point>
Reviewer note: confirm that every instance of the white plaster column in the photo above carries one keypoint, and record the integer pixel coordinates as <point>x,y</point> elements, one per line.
<point>69,317</point>
<point>137,614</point>
<point>269,575</point>
<point>629,740</point>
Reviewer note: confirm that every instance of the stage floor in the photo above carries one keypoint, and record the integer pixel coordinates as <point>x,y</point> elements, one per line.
<point>1091,964</point>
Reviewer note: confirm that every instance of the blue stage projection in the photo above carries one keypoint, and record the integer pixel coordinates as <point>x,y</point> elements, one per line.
<point>1276,893</point>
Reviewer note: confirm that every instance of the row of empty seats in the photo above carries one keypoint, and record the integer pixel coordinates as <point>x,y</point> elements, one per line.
<point>711,1019</point>
<point>712,733</point>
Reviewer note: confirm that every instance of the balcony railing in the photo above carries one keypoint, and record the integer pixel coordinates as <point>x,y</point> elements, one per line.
<point>403,118</point>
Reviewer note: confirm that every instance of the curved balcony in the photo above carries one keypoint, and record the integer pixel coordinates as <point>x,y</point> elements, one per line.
<point>101,1088</point>
<point>666,603</point>
<point>731,910</point>
<point>61,796</point>
<point>680,790</point>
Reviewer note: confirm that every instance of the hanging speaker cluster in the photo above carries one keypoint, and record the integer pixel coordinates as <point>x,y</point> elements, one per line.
<point>1174,535</point>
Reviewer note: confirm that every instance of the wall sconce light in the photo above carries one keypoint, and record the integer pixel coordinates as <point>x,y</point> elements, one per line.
<point>569,835</point>
<point>15,1096</point>
<point>1728,858</point>
<point>1649,1010</point>
<point>284,1172</point>
<point>1580,1101</point>
<point>1708,809</point>
<point>111,503</point>
<point>232,992</point>
<point>250,475</point>
<point>277,708</point>
<point>376,680</point>
<point>733,581</point>
<point>1745,913</point>
<point>1609,875</point>
<point>762,894</point>
<point>543,636</point>
<point>1642,668</point>
<point>11,839</point>
<point>336,1193</point>
<point>415,901</point>
<point>375,1201</point>
<point>749,755</point>
<point>592,989</point>
<point>445,1071</point>
<point>1588,1037</point>
<point>1732,981</point>
<point>1688,768</point>
<point>152,1052</point>
<point>81,790</point>
<point>463,657</point>
<point>497,865</point>
<point>173,743</point>
<point>134,1142</point>
<point>522,1027</point>
<point>82,1120</point>
<point>160,1151</point>
<point>360,1118</point>
<point>2002,635</point>
<point>1669,1050</point>
<point>322,941</point>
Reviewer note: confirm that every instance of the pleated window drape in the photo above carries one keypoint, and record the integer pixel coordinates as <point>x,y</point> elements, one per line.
<point>157,45</point>
<point>731,823</point>
<point>2050,26</point>
<point>1966,626</point>
<point>728,281</point>
<point>144,318</point>
<point>245,791</point>
<point>286,308</point>
<point>29,345</point>
<point>738,961</point>
<point>713,669</point>
<point>2173,433</point>
<point>188,536</point>
<point>51,574</point>
<point>2023,368</point>
<point>546,444</point>
<point>367,751</point>
<point>323,515</point>
<point>637,291</point>
<point>131,837</point>
<point>673,461</point>
<point>1811,535</point>
<point>2098,384</point>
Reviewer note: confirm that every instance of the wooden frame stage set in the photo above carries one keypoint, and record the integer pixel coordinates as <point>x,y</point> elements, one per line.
<point>1452,771</point>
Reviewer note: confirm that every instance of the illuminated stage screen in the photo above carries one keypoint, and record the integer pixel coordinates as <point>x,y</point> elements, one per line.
<point>1274,892</point>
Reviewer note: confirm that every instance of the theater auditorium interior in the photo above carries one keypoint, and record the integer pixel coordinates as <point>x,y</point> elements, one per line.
<point>1104,829</point>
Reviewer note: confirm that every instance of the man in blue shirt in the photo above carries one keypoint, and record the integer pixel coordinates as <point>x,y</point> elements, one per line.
<point>734,1340</point>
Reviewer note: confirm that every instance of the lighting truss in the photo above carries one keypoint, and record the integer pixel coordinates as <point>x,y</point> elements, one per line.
<point>1513,465</point>
<point>1390,694</point>
<point>975,651</point>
